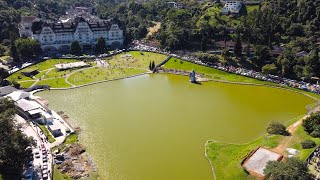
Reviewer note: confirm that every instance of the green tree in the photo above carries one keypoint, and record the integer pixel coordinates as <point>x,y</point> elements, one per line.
<point>237,46</point>
<point>293,168</point>
<point>277,128</point>
<point>2,50</point>
<point>307,144</point>
<point>153,66</point>
<point>76,48</point>
<point>13,50</point>
<point>269,69</point>
<point>3,74</point>
<point>101,45</point>
<point>312,124</point>
<point>27,48</point>
<point>261,55</point>
<point>13,142</point>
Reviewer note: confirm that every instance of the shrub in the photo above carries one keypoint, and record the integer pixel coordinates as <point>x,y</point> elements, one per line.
<point>312,123</point>
<point>307,144</point>
<point>277,128</point>
<point>315,133</point>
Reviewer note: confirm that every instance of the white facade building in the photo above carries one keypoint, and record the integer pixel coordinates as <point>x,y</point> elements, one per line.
<point>86,29</point>
<point>232,7</point>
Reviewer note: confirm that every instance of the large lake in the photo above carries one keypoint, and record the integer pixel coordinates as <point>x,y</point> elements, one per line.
<point>155,126</point>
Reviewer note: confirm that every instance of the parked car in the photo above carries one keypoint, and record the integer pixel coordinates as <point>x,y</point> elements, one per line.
<point>45,165</point>
<point>45,176</point>
<point>44,159</point>
<point>36,153</point>
<point>29,174</point>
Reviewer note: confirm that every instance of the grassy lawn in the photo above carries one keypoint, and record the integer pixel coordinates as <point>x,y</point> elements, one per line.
<point>48,64</point>
<point>54,73</point>
<point>17,76</point>
<point>40,74</point>
<point>57,175</point>
<point>47,133</point>
<point>100,73</point>
<point>175,63</point>
<point>54,83</point>
<point>299,136</point>
<point>42,66</point>
<point>217,74</point>
<point>72,138</point>
<point>26,84</point>
<point>137,60</point>
<point>227,158</point>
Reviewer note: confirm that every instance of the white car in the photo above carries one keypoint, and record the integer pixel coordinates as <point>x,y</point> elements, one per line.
<point>45,166</point>
<point>36,153</point>
<point>44,171</point>
<point>45,176</point>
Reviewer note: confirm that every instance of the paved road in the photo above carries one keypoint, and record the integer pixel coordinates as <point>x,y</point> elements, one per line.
<point>32,130</point>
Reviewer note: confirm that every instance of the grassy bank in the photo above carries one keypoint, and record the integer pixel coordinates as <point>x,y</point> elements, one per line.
<point>100,73</point>
<point>57,175</point>
<point>26,84</point>
<point>216,74</point>
<point>138,59</point>
<point>226,158</point>
<point>55,83</point>
<point>47,133</point>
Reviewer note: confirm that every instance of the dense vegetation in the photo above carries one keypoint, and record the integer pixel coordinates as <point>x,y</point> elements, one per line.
<point>13,143</point>
<point>293,168</point>
<point>312,125</point>
<point>291,25</point>
<point>277,128</point>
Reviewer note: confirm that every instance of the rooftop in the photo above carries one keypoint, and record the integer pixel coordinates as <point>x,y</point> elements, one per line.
<point>27,105</point>
<point>6,90</point>
<point>17,95</point>
<point>256,163</point>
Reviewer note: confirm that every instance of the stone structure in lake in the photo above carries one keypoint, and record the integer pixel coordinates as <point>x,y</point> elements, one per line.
<point>193,76</point>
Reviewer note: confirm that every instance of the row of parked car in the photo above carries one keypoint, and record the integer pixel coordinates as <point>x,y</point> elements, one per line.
<point>37,166</point>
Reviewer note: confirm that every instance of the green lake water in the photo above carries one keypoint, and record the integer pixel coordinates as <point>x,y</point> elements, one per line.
<point>154,127</point>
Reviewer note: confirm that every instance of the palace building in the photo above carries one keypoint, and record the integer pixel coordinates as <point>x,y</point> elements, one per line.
<point>77,25</point>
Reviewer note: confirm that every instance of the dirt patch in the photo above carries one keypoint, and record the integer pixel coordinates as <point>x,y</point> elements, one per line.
<point>76,162</point>
<point>153,29</point>
<point>287,140</point>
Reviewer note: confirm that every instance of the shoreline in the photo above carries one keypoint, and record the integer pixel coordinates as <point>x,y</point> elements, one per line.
<point>212,80</point>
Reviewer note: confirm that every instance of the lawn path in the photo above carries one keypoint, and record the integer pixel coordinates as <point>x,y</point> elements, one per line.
<point>37,80</point>
<point>286,141</point>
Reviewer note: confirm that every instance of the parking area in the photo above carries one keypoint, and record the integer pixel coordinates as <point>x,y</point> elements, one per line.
<point>40,164</point>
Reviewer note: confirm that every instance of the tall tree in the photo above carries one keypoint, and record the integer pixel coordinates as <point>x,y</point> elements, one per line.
<point>27,48</point>
<point>293,168</point>
<point>76,48</point>
<point>101,45</point>
<point>237,46</point>
<point>13,50</point>
<point>13,143</point>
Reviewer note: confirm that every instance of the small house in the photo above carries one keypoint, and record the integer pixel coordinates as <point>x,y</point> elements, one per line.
<point>55,130</point>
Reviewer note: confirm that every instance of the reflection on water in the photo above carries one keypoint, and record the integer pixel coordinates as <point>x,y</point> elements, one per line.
<point>155,126</point>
